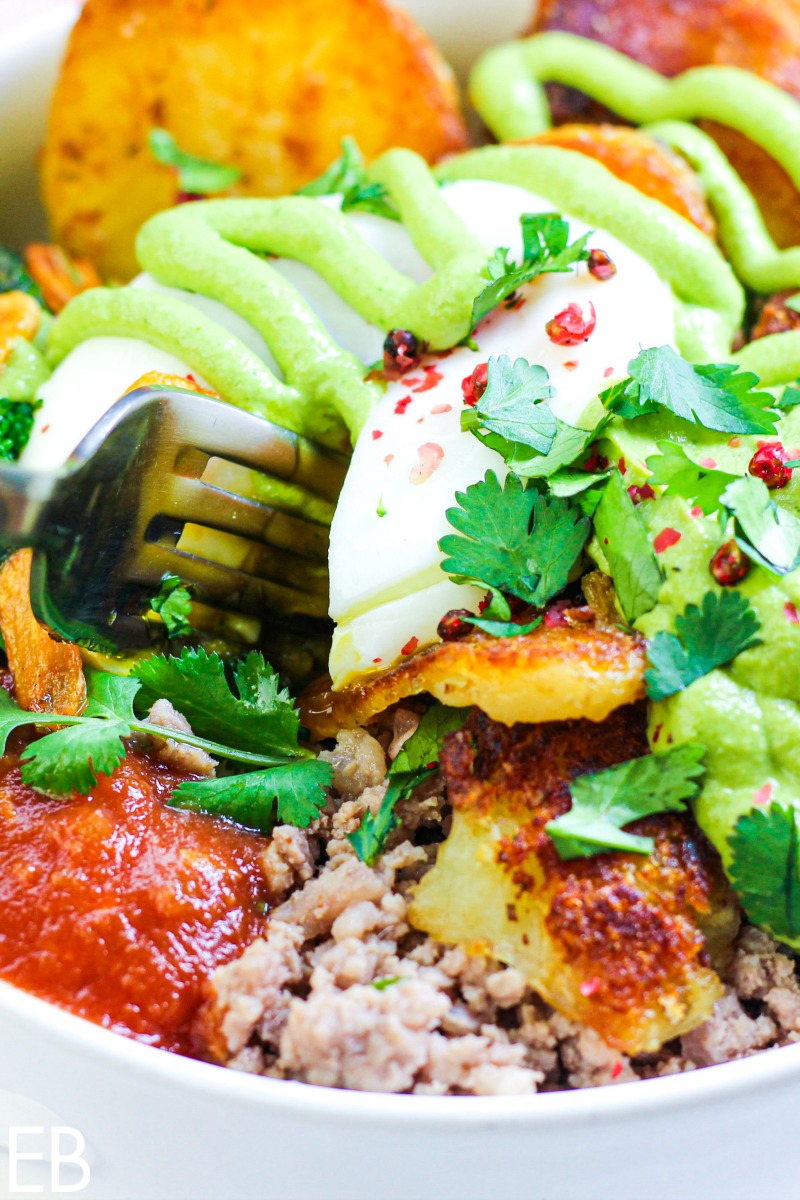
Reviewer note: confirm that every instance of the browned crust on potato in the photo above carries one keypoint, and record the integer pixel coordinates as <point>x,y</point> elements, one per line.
<point>642,162</point>
<point>672,36</point>
<point>270,86</point>
<point>550,674</point>
<point>625,931</point>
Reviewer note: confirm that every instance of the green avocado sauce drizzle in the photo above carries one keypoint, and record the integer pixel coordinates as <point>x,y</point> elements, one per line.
<point>506,87</point>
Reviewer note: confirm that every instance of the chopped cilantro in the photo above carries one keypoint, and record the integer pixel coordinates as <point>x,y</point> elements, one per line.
<point>680,476</point>
<point>504,629</point>
<point>16,423</point>
<point>790,397</point>
<point>511,405</point>
<point>766,531</point>
<point>546,248</point>
<point>196,176</point>
<point>515,540</point>
<point>603,802</point>
<point>627,549</point>
<point>381,985</point>
<point>568,444</point>
<point>765,868</point>
<point>173,603</point>
<point>717,396</point>
<point>705,638</point>
<point>347,176</point>
<point>417,760</point>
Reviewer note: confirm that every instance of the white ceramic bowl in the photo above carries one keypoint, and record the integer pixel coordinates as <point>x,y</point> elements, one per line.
<point>158,1127</point>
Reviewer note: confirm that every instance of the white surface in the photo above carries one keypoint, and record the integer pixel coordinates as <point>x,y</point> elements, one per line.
<point>162,1128</point>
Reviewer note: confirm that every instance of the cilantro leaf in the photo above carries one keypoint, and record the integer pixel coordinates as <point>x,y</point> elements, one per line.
<point>572,483</point>
<point>603,802</point>
<point>292,794</point>
<point>70,759</point>
<point>627,548</point>
<point>673,469</point>
<point>347,176</point>
<point>511,405</point>
<point>706,638</point>
<point>546,249</point>
<point>765,868</point>
<point>196,176</point>
<point>766,532</point>
<point>514,540</point>
<point>173,602</point>
<point>567,445</point>
<point>715,395</point>
<point>260,717</point>
<point>417,760</point>
<point>504,629</point>
<point>790,397</point>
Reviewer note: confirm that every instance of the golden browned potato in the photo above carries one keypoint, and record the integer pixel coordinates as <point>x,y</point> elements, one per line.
<point>547,675</point>
<point>624,943</point>
<point>673,35</point>
<point>268,86</point>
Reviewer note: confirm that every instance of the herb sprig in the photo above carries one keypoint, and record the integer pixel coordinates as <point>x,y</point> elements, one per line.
<point>196,176</point>
<point>416,762</point>
<point>765,868</point>
<point>257,721</point>
<point>604,802</point>
<point>347,175</point>
<point>173,603</point>
<point>705,638</point>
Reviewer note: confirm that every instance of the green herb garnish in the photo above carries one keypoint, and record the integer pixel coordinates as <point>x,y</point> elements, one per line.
<point>627,549</point>
<point>196,176</point>
<point>603,802</point>
<point>514,540</point>
<point>705,638</point>
<point>766,531</point>
<point>173,603</point>
<point>511,405</point>
<point>765,868</point>
<point>418,759</point>
<point>717,396</point>
<point>546,249</point>
<point>347,176</point>
<point>680,476</point>
<point>259,726</point>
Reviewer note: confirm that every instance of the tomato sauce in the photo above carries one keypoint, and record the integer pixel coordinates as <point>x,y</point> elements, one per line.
<point>117,907</point>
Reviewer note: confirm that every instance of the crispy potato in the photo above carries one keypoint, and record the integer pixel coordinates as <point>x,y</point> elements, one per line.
<point>623,943</point>
<point>642,162</point>
<point>57,277</point>
<point>20,317</point>
<point>48,675</point>
<point>269,87</point>
<point>673,35</point>
<point>547,675</point>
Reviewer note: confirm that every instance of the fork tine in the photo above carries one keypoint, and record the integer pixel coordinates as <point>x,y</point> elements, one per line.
<point>227,587</point>
<point>218,428</point>
<point>192,500</point>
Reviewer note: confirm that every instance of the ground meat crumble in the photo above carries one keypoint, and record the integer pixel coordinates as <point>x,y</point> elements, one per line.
<point>342,992</point>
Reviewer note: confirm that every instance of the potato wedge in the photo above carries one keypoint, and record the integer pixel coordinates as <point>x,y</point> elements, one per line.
<point>674,35</point>
<point>547,675</point>
<point>48,675</point>
<point>269,86</point>
<point>624,943</point>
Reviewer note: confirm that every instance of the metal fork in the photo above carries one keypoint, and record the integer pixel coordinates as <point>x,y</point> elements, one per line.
<point>106,527</point>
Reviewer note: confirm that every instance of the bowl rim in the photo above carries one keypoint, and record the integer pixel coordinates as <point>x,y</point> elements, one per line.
<point>765,1069</point>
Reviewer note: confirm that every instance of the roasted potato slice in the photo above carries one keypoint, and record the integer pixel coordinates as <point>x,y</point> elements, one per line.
<point>672,36</point>
<point>268,86</point>
<point>547,675</point>
<point>48,675</point>
<point>622,942</point>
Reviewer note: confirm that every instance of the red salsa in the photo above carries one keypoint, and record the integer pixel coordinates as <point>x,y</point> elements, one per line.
<point>117,907</point>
